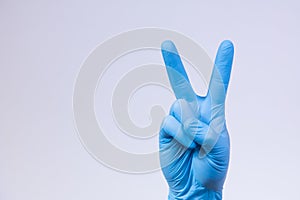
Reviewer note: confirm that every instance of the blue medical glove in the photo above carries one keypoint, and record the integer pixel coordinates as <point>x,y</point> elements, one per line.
<point>194,141</point>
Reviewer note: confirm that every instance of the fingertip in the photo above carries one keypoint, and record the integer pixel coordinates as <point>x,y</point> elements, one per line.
<point>227,42</point>
<point>227,46</point>
<point>224,56</point>
<point>169,46</point>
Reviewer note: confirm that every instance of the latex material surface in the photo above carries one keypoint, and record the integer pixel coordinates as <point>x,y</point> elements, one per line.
<point>194,141</point>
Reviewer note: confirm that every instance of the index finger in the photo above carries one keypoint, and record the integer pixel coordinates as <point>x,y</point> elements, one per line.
<point>177,75</point>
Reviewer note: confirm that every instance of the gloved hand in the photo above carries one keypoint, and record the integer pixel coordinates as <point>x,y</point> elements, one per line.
<point>193,140</point>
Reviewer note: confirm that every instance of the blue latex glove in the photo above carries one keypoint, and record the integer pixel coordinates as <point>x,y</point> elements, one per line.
<point>194,141</point>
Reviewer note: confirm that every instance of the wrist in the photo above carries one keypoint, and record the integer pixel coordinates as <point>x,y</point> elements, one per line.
<point>199,193</point>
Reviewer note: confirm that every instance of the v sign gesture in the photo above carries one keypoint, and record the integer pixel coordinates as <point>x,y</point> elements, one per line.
<point>194,141</point>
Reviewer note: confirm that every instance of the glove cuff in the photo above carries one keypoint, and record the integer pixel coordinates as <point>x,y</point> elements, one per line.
<point>199,194</point>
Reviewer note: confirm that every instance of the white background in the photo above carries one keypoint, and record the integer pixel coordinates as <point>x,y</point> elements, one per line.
<point>43,44</point>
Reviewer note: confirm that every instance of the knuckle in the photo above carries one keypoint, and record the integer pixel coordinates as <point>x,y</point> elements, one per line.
<point>165,121</point>
<point>176,107</point>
